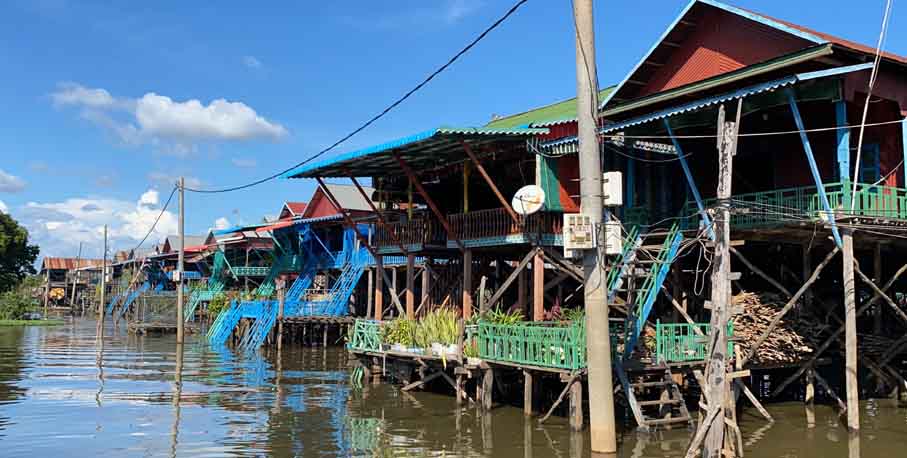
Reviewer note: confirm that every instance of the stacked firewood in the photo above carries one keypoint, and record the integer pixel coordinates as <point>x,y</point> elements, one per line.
<point>786,343</point>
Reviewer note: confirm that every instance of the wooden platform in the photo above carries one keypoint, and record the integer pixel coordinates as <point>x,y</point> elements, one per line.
<point>319,319</point>
<point>157,328</point>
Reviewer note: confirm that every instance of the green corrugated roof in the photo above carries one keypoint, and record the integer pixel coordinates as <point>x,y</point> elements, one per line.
<point>564,110</point>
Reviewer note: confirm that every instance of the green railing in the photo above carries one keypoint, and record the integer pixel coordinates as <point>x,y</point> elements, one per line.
<point>679,342</point>
<point>366,336</point>
<point>777,206</point>
<point>540,344</point>
<point>250,271</point>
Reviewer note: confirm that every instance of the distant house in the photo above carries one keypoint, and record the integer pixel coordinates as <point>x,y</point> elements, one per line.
<point>292,210</point>
<point>348,197</point>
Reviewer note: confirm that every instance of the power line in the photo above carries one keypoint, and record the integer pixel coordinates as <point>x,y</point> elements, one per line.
<point>158,219</point>
<point>755,134</point>
<point>378,116</point>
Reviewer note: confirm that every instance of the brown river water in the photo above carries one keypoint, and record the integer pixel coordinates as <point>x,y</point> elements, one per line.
<point>62,395</point>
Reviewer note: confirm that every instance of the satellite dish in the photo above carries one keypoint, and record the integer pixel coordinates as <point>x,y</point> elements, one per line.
<point>528,200</point>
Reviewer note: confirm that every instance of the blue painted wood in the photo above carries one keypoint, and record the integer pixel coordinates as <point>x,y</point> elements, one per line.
<point>813,168</point>
<point>843,140</point>
<point>692,184</point>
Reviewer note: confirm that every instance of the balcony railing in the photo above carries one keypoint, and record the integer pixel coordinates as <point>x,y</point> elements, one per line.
<point>537,344</point>
<point>679,342</point>
<point>416,231</point>
<point>778,206</point>
<point>366,336</point>
<point>496,222</point>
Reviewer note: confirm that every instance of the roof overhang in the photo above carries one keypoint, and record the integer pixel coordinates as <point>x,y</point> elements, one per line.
<point>430,149</point>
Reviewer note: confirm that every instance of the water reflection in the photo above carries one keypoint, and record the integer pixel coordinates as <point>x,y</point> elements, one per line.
<point>144,396</point>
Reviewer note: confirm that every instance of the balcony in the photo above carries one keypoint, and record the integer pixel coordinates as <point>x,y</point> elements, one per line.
<point>415,234</point>
<point>496,227</point>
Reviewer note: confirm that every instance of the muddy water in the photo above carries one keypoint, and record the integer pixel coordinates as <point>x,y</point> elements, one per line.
<point>62,395</point>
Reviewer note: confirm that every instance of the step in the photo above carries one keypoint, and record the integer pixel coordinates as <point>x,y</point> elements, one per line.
<point>667,421</point>
<point>658,402</point>
<point>650,384</point>
<point>652,247</point>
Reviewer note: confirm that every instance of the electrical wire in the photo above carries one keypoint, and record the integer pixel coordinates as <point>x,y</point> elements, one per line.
<point>378,116</point>
<point>755,134</point>
<point>872,81</point>
<point>158,219</point>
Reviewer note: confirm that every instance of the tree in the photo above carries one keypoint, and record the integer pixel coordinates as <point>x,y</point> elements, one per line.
<point>17,257</point>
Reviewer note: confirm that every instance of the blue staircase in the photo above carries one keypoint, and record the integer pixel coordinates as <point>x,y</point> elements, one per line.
<point>133,295</point>
<point>336,300</point>
<point>296,293</point>
<point>262,326</point>
<point>216,284</point>
<point>223,326</point>
<point>642,298</point>
<point>113,302</point>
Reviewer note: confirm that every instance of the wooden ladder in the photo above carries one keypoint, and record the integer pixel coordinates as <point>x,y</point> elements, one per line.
<point>655,401</point>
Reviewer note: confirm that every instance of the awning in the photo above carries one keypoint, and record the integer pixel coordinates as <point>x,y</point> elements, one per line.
<point>429,149</point>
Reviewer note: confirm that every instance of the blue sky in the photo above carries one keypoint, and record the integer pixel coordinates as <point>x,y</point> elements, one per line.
<point>105,103</point>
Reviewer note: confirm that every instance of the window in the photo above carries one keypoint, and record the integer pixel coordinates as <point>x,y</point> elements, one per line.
<point>870,170</point>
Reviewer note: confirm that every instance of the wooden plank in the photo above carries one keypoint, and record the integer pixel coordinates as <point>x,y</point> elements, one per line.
<point>513,275</point>
<point>467,284</point>
<point>411,286</point>
<point>759,272</point>
<point>422,382</point>
<point>790,303</point>
<point>538,285</point>
<point>560,398</point>
<point>381,222</point>
<point>897,310</point>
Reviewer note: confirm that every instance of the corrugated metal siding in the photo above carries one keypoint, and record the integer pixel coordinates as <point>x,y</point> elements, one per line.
<point>721,43</point>
<point>69,263</point>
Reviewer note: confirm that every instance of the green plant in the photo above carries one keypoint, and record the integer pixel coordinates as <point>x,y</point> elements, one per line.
<point>503,318</point>
<point>218,303</point>
<point>576,315</point>
<point>471,348</point>
<point>438,326</point>
<point>15,305</point>
<point>400,331</point>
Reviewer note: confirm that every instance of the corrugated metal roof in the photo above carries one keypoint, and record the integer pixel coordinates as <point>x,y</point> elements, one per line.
<point>428,147</point>
<point>68,263</point>
<point>567,144</point>
<point>173,241</point>
<point>548,115</point>
<point>349,198</point>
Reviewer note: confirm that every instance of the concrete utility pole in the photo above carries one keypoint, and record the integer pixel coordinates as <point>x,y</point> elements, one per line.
<point>598,342</point>
<point>103,285</point>
<point>850,333</point>
<point>179,263</point>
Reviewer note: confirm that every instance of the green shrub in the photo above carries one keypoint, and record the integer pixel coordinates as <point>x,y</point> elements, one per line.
<point>14,305</point>
<point>218,303</point>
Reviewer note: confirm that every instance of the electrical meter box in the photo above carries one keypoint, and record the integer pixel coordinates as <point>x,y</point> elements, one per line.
<point>613,189</point>
<point>579,234</point>
<point>614,243</point>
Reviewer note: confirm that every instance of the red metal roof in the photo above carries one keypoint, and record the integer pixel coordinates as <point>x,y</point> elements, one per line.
<point>277,225</point>
<point>296,207</point>
<point>69,263</point>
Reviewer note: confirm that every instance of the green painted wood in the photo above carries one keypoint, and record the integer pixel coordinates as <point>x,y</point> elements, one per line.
<point>679,342</point>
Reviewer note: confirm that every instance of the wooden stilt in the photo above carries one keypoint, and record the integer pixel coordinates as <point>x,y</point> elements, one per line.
<point>527,393</point>
<point>576,405</point>
<point>379,295</point>
<point>522,293</point>
<point>411,286</point>
<point>467,284</point>
<point>459,389</point>
<point>850,324</point>
<point>877,278</point>
<point>370,293</point>
<point>324,336</point>
<point>426,286</point>
<point>809,399</point>
<point>538,288</point>
<point>487,387</point>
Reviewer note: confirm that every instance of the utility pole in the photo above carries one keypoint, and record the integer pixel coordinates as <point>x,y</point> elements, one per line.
<point>103,286</point>
<point>717,364</point>
<point>179,263</point>
<point>598,341</point>
<point>75,277</point>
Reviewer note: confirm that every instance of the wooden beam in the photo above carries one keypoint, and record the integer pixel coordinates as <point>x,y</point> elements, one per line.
<point>381,222</point>
<point>527,393</point>
<point>897,310</point>
<point>467,284</point>
<point>560,398</point>
<point>790,303</point>
<point>500,292</point>
<point>428,200</point>
<point>832,338</point>
<point>422,382</point>
<point>410,286</point>
<point>759,272</point>
<point>490,182</point>
<point>538,285</point>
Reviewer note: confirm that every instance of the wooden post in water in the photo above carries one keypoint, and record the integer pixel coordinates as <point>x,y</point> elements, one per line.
<point>810,398</point>
<point>103,287</point>
<point>379,296</point>
<point>850,326</point>
<point>487,386</point>
<point>527,393</point>
<point>410,286</point>
<point>576,405</point>
<point>281,297</point>
<point>467,284</point>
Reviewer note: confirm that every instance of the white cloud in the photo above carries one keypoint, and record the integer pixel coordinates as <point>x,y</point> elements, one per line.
<point>3,207</point>
<point>251,62</point>
<point>58,227</point>
<point>246,163</point>
<point>172,126</point>
<point>10,183</point>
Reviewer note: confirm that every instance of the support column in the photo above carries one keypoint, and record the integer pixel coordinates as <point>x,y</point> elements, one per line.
<point>370,293</point>
<point>850,325</point>
<point>467,284</point>
<point>487,388</point>
<point>538,288</point>
<point>877,278</point>
<point>807,272</point>
<point>576,405</point>
<point>379,294</point>
<point>426,285</point>
<point>810,398</point>
<point>522,300</point>
<point>527,393</point>
<point>410,286</point>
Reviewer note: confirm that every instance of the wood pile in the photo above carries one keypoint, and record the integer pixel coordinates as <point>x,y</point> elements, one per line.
<point>786,344</point>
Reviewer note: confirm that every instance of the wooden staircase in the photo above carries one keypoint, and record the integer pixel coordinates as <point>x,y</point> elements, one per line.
<point>655,399</point>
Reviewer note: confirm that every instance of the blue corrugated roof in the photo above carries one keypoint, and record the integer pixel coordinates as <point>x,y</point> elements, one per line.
<point>307,169</point>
